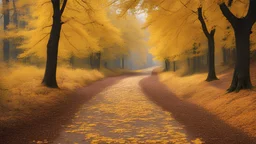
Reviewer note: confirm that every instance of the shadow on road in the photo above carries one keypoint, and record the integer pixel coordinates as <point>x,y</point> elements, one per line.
<point>49,127</point>
<point>198,122</point>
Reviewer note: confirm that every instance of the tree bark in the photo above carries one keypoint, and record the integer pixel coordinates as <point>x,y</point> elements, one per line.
<point>16,22</point>
<point>6,42</point>
<point>211,66</point>
<point>211,47</point>
<point>194,64</point>
<point>241,76</point>
<point>174,66</point>
<point>167,65</point>
<point>49,79</point>
<point>98,60</point>
<point>188,62</point>
<point>72,61</point>
<point>92,61</point>
<point>242,28</point>
<point>122,62</point>
<point>224,56</point>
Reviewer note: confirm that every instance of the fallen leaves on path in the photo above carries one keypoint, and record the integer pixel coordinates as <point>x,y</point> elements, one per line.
<point>122,114</point>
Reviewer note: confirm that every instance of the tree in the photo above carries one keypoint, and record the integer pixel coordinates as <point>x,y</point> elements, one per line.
<point>211,47</point>
<point>83,29</point>
<point>6,42</point>
<point>49,79</point>
<point>243,29</point>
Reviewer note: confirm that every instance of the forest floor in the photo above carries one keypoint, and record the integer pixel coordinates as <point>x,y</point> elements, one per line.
<point>133,108</point>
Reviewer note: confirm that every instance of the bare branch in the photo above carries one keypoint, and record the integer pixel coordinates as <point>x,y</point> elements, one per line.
<point>251,15</point>
<point>227,13</point>
<point>185,5</point>
<point>201,19</point>
<point>41,39</point>
<point>45,3</point>
<point>230,3</point>
<point>63,7</point>
<point>46,27</point>
<point>68,40</point>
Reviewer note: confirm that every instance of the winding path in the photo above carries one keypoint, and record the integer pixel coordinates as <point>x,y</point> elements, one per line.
<point>134,108</point>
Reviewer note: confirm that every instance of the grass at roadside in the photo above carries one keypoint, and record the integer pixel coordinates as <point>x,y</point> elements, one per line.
<point>22,97</point>
<point>236,109</point>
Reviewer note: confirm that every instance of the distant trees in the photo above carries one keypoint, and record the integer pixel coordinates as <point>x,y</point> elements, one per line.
<point>6,42</point>
<point>164,17</point>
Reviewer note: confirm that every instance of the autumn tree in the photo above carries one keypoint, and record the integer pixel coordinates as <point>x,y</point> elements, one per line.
<point>53,44</point>
<point>243,29</point>
<point>77,29</point>
<point>211,46</point>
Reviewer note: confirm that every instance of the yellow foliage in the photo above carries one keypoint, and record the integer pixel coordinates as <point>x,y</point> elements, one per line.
<point>174,25</point>
<point>86,29</point>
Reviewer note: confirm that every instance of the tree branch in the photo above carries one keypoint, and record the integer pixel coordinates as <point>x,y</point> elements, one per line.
<point>230,3</point>
<point>251,15</point>
<point>63,7</point>
<point>212,33</point>
<point>228,14</point>
<point>185,5</point>
<point>68,40</point>
<point>201,19</point>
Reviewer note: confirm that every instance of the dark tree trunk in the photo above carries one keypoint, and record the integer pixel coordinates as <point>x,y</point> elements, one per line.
<point>15,14</point>
<point>6,42</point>
<point>174,66</point>
<point>211,47</point>
<point>198,66</point>
<point>211,66</point>
<point>49,79</point>
<point>98,60</point>
<point>189,65</point>
<point>15,21</point>
<point>194,64</point>
<point>242,28</point>
<point>91,61</point>
<point>224,56</point>
<point>122,62</point>
<point>167,65</point>
<point>241,76</point>
<point>72,61</point>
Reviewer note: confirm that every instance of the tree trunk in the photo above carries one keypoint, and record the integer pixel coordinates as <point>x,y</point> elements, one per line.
<point>6,42</point>
<point>194,64</point>
<point>72,61</point>
<point>198,64</point>
<point>92,61</point>
<point>241,76</point>
<point>188,62</point>
<point>211,47</point>
<point>224,56</point>
<point>98,60</point>
<point>174,66</point>
<point>16,22</point>
<point>49,79</point>
<point>122,62</point>
<point>211,66</point>
<point>167,65</point>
